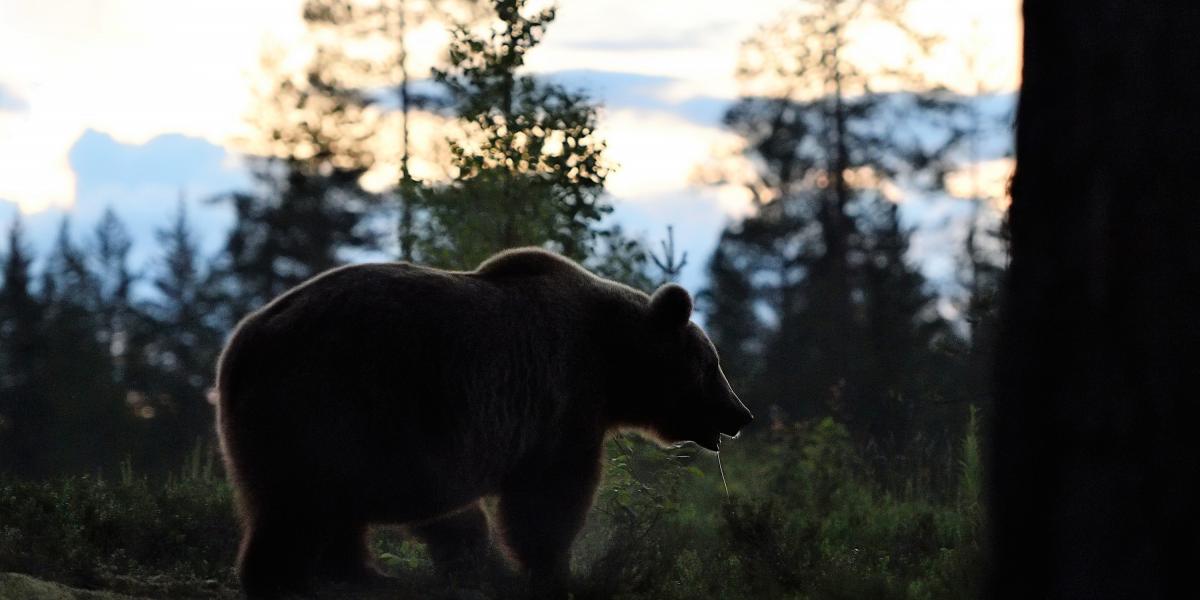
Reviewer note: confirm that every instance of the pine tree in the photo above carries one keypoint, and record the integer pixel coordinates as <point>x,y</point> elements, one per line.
<point>384,28</point>
<point>24,410</point>
<point>114,280</point>
<point>89,422</point>
<point>182,343</point>
<point>900,373</point>
<point>529,168</point>
<point>839,315</point>
<point>981,270</point>
<point>307,208</point>
<point>737,329</point>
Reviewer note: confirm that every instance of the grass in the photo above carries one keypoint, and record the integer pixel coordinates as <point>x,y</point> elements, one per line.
<point>164,538</point>
<point>805,517</point>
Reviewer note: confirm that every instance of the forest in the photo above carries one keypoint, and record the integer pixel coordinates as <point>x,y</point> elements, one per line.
<point>882,395</point>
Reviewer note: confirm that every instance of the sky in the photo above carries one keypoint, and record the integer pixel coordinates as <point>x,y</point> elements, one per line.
<point>136,103</point>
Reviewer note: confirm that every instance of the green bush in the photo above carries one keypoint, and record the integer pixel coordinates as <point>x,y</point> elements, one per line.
<point>176,538</point>
<point>804,517</point>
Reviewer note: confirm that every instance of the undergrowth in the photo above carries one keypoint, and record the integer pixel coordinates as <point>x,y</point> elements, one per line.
<point>805,516</point>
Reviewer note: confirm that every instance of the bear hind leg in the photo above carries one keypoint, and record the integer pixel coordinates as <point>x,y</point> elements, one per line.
<point>460,546</point>
<point>346,557</point>
<point>538,533</point>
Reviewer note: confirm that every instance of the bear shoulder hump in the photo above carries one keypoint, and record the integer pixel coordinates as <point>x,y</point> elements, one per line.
<point>527,262</point>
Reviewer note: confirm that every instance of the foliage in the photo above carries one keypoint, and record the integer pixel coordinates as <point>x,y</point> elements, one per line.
<point>528,167</point>
<point>803,518</point>
<point>93,373</point>
<point>813,297</point>
<point>130,534</point>
<point>864,483</point>
<point>306,209</point>
<point>382,29</point>
<point>23,409</point>
<point>68,356</point>
<point>181,336</point>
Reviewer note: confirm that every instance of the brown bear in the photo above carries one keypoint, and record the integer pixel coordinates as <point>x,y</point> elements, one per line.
<point>393,393</point>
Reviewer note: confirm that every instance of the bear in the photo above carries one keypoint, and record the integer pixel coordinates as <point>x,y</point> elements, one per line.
<point>392,393</point>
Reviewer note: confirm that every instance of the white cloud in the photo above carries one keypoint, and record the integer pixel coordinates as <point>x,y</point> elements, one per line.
<point>656,153</point>
<point>131,68</point>
<point>697,41</point>
<point>694,41</point>
<point>34,172</point>
<point>138,68</point>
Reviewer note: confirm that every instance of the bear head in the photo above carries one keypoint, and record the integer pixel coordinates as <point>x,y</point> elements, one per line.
<point>681,393</point>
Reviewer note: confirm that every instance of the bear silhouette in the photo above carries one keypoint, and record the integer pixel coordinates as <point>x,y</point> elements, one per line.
<point>398,394</point>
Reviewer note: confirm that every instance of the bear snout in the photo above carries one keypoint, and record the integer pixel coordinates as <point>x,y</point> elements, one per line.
<point>736,418</point>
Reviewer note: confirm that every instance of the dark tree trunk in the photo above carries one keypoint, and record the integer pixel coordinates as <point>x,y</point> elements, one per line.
<point>1095,454</point>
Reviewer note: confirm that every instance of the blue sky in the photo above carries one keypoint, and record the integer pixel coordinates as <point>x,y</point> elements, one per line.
<point>10,102</point>
<point>100,112</point>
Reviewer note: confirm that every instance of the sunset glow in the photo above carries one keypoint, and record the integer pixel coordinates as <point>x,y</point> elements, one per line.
<point>134,69</point>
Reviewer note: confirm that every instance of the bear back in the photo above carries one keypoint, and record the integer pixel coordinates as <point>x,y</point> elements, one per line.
<point>528,262</point>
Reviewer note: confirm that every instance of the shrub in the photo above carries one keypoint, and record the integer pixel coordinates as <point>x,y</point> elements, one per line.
<point>804,517</point>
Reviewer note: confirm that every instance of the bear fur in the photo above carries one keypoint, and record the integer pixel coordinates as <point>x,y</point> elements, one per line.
<point>393,393</point>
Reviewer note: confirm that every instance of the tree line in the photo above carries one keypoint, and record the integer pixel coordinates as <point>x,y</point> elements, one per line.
<point>813,299</point>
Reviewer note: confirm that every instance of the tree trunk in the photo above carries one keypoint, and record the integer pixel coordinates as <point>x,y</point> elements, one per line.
<point>405,185</point>
<point>1095,459</point>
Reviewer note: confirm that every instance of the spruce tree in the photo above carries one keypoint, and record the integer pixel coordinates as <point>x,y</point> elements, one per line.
<point>90,421</point>
<point>24,409</point>
<point>182,342</point>
<point>384,28</point>
<point>528,166</point>
<point>307,209</point>
<point>839,316</point>
<point>114,279</point>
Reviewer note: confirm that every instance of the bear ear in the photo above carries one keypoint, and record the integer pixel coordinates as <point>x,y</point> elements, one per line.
<point>671,306</point>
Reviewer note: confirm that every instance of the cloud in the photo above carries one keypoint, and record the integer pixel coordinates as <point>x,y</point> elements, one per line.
<point>634,45</point>
<point>134,69</point>
<point>657,93</point>
<point>693,37</point>
<point>171,159</point>
<point>656,152</point>
<point>143,184</point>
<point>695,41</point>
<point>614,89</point>
<point>10,102</point>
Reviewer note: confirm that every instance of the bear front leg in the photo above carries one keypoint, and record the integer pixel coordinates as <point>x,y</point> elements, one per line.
<point>541,516</point>
<point>276,556</point>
